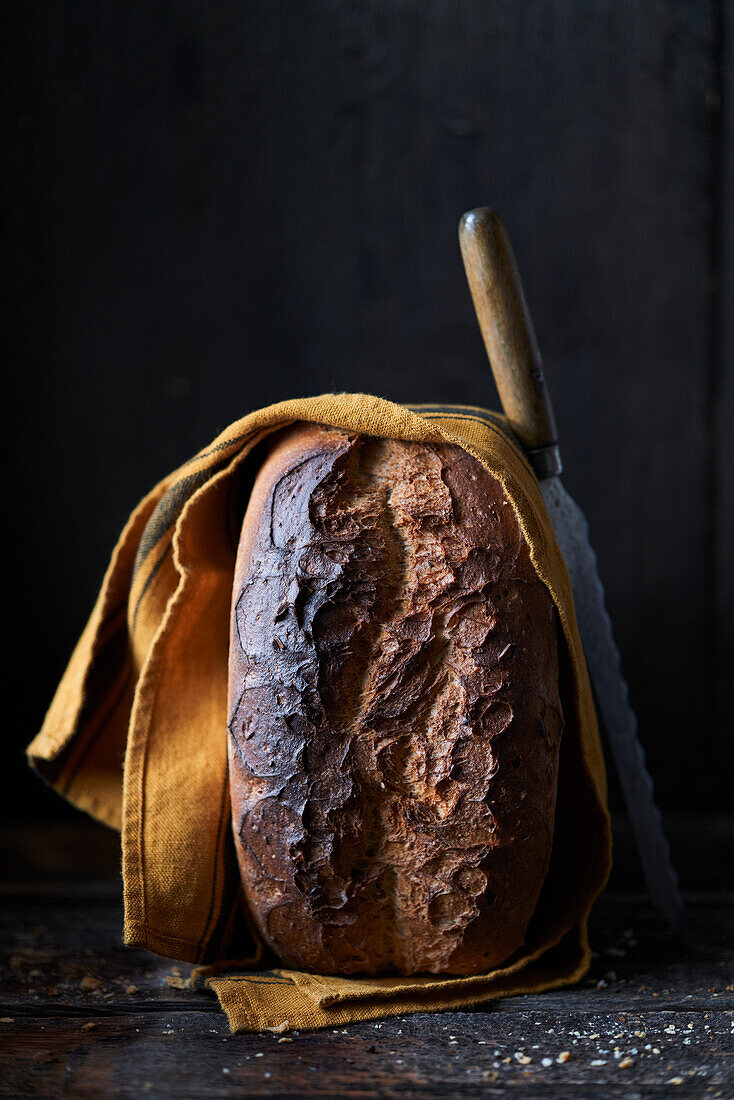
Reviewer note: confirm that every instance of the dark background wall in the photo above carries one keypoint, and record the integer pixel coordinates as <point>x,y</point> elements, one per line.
<point>212,206</point>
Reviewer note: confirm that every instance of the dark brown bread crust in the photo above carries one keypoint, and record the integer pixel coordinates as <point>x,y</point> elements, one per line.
<point>395,716</point>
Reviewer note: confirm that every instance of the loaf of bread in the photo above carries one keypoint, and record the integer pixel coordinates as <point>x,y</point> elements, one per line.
<point>394,709</point>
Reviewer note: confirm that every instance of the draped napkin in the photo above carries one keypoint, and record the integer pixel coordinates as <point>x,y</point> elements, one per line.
<point>136,734</point>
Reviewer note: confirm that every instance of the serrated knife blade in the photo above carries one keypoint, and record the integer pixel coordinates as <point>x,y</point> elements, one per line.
<point>509,337</point>
<point>612,698</point>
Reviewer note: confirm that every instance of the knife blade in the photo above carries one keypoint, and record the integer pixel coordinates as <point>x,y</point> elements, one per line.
<point>509,337</point>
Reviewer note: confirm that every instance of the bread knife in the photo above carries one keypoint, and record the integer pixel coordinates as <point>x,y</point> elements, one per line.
<point>509,337</point>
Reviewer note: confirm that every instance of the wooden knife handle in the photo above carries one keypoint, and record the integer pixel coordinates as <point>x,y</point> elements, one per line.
<point>509,337</point>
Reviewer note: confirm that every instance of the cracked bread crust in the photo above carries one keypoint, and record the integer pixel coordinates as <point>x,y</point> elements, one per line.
<point>394,708</point>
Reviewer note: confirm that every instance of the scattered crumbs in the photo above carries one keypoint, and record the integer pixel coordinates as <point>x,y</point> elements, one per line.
<point>284,1040</point>
<point>598,1062</point>
<point>225,1070</point>
<point>601,984</point>
<point>523,1059</point>
<point>563,1057</point>
<point>131,990</point>
<point>88,1026</point>
<point>177,982</point>
<point>506,1061</point>
<point>626,1063</point>
<point>674,1081</point>
<point>670,1029</point>
<point>278,1029</point>
<point>490,1075</point>
<point>656,1050</point>
<point>88,984</point>
<point>258,1055</point>
<point>594,1036</point>
<point>546,1062</point>
<point>640,1034</point>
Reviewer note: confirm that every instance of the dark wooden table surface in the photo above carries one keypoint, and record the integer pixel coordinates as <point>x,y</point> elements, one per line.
<point>82,1016</point>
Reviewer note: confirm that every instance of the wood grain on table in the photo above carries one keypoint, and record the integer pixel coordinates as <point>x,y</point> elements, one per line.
<point>81,1015</point>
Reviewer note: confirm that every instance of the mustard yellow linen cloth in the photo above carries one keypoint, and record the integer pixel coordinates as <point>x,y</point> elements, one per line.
<point>136,734</point>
